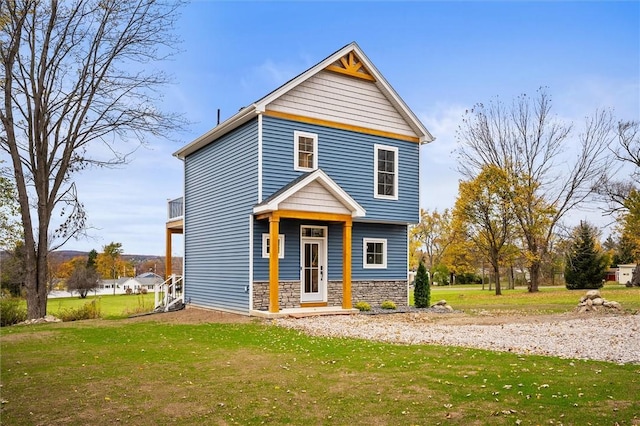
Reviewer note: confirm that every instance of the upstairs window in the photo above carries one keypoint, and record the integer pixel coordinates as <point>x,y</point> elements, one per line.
<point>385,172</point>
<point>374,254</point>
<point>305,151</point>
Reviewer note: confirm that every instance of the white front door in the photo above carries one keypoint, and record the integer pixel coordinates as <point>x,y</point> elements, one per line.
<point>313,264</point>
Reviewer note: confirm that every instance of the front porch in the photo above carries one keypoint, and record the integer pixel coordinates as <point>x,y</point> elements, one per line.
<point>304,312</point>
<point>316,202</point>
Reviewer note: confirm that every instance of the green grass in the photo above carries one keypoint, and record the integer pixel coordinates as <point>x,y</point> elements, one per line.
<point>472,299</point>
<point>148,373</point>
<point>111,307</point>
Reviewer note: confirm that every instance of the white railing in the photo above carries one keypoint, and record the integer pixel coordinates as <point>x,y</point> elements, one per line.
<point>175,208</point>
<point>169,294</point>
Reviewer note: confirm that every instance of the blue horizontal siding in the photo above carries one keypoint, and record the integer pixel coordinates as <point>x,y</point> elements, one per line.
<point>347,157</point>
<point>221,182</point>
<point>396,236</point>
<point>289,267</point>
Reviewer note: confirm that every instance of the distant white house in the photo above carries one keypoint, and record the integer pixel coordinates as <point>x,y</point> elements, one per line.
<point>110,284</point>
<point>146,281</point>
<point>625,272</point>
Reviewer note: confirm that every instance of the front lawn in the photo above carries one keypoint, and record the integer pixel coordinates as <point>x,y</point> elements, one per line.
<point>151,373</point>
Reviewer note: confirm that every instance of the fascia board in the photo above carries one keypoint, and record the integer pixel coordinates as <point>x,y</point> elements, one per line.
<point>262,103</point>
<point>395,99</point>
<point>226,126</point>
<point>381,83</point>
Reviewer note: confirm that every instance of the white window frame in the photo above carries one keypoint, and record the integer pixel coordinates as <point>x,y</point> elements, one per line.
<point>366,265</point>
<point>265,244</point>
<point>296,151</point>
<point>394,149</point>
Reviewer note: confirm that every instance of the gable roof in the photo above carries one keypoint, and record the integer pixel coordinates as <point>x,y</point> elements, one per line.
<point>298,185</point>
<point>349,60</point>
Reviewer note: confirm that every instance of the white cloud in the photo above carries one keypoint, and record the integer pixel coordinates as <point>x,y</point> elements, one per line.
<point>438,175</point>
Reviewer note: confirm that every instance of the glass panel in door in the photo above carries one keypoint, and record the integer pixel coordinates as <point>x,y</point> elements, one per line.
<point>311,268</point>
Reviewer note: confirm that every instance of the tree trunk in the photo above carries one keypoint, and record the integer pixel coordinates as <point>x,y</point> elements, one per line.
<point>36,283</point>
<point>635,277</point>
<point>534,278</point>
<point>496,274</point>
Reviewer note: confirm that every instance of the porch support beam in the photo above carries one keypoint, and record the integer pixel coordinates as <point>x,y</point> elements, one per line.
<point>346,263</point>
<point>274,230</point>
<point>304,215</point>
<point>167,258</point>
<point>168,242</point>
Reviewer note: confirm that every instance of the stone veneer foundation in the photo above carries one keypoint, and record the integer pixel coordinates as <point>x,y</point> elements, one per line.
<point>372,292</point>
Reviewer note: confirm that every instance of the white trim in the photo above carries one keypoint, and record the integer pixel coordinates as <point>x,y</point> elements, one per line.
<point>250,286</point>
<point>322,262</point>
<point>259,157</point>
<point>382,84</point>
<point>258,107</point>
<point>396,164</point>
<point>408,261</point>
<point>322,178</point>
<point>366,265</point>
<point>265,240</point>
<point>296,150</point>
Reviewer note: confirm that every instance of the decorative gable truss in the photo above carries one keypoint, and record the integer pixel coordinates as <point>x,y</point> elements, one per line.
<point>352,66</point>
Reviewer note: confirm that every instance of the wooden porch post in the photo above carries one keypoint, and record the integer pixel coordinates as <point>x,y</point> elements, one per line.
<point>346,264</point>
<point>274,230</point>
<point>167,259</point>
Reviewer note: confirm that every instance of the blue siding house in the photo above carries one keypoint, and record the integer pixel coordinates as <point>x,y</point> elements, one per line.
<point>302,200</point>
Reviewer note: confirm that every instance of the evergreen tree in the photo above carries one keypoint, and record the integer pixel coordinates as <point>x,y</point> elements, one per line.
<point>585,263</point>
<point>625,251</point>
<point>92,258</point>
<point>422,291</point>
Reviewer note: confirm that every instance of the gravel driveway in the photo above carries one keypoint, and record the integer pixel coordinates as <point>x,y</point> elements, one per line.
<point>613,338</point>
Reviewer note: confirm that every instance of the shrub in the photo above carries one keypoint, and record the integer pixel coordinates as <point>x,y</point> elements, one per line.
<point>422,291</point>
<point>142,307</point>
<point>388,304</point>
<point>363,306</point>
<point>468,278</point>
<point>143,290</point>
<point>12,311</point>
<point>90,310</point>
<point>128,291</point>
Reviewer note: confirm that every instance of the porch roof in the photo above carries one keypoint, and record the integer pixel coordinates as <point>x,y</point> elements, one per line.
<point>313,191</point>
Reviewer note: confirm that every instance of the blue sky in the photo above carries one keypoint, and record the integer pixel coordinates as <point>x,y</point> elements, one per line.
<point>441,58</point>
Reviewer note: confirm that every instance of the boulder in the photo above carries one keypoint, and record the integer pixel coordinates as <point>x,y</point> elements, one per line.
<point>594,302</point>
<point>593,294</point>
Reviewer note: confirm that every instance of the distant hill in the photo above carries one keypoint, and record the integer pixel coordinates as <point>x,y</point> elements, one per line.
<point>66,255</point>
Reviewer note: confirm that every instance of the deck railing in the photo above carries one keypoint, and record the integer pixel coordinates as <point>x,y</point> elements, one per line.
<point>169,295</point>
<point>176,208</point>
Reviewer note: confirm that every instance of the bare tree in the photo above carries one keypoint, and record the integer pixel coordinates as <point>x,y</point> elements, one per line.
<point>551,169</point>
<point>83,279</point>
<point>616,192</point>
<point>80,88</point>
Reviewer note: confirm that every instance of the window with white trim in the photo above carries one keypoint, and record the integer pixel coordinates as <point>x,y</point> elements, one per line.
<point>305,151</point>
<point>385,165</point>
<point>266,246</point>
<point>374,253</point>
